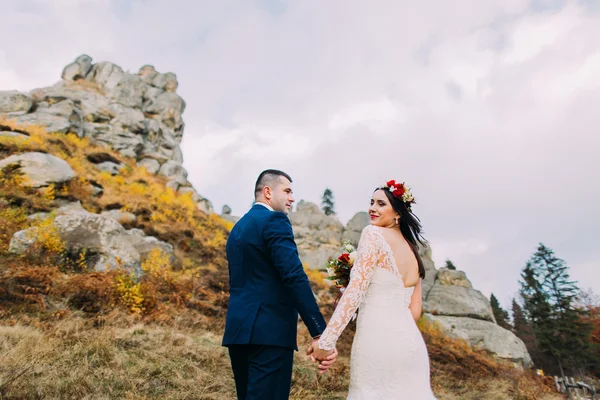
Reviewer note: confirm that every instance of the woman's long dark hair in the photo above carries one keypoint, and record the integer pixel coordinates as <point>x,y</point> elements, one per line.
<point>410,226</point>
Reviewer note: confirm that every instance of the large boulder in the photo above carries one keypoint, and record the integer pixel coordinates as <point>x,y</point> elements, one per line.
<point>319,236</point>
<point>458,301</point>
<point>485,335</point>
<point>355,226</point>
<point>40,169</point>
<point>144,245</point>
<point>14,103</point>
<point>108,245</point>
<point>453,277</point>
<point>78,69</point>
<point>430,271</point>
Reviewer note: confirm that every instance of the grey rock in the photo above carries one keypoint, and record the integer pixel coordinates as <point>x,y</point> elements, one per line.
<point>37,217</point>
<point>109,166</point>
<point>40,169</point>
<point>127,118</point>
<point>205,206</point>
<point>355,227</point>
<point>451,277</point>
<point>174,171</point>
<point>13,134</point>
<point>119,216</point>
<point>22,241</point>
<point>52,123</point>
<point>78,69</point>
<point>124,88</point>
<point>101,236</point>
<point>152,93</point>
<point>12,101</point>
<point>177,155</point>
<point>226,210</point>
<point>147,73</point>
<point>485,335</point>
<point>150,164</point>
<point>167,82</point>
<point>458,301</point>
<point>144,245</point>
<point>430,270</point>
<point>96,189</point>
<point>319,236</point>
<point>168,106</point>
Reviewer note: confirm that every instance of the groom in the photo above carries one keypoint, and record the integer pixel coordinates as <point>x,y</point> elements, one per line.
<point>268,288</point>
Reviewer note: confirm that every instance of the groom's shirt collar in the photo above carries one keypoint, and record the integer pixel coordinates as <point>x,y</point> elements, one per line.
<point>268,207</point>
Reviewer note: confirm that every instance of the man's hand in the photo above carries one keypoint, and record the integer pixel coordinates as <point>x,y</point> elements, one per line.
<point>326,358</point>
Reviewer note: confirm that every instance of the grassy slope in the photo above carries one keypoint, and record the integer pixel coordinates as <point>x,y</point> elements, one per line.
<point>69,333</point>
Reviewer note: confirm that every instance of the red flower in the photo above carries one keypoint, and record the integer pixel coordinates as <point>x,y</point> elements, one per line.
<point>345,257</point>
<point>399,192</point>
<point>391,183</point>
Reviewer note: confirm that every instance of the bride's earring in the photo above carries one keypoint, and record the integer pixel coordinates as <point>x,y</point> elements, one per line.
<point>397,220</point>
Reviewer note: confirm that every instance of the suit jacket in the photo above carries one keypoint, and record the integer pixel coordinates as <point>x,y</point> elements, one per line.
<point>268,285</point>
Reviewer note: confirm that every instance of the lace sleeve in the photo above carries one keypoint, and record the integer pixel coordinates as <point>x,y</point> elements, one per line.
<point>366,261</point>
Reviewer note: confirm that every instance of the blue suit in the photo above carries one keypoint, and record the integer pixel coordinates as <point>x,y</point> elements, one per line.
<point>268,288</point>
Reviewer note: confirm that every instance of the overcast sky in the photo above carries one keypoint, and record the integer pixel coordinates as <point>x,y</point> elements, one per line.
<point>489,110</point>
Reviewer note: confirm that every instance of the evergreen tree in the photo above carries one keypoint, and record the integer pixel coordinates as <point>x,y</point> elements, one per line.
<point>500,314</point>
<point>327,204</point>
<point>549,302</point>
<point>522,327</point>
<point>450,265</point>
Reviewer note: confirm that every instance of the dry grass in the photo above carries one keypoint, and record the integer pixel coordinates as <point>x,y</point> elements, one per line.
<point>68,333</point>
<point>117,356</point>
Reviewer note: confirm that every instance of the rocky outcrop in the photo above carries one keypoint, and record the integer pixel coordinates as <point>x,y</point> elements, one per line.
<point>485,335</point>
<point>318,236</point>
<point>465,313</point>
<point>226,214</point>
<point>139,115</point>
<point>355,226</point>
<point>39,169</point>
<point>107,244</point>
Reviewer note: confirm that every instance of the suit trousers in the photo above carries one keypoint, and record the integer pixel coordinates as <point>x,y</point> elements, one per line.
<point>261,372</point>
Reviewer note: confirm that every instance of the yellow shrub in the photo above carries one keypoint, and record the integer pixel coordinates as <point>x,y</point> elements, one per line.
<point>47,237</point>
<point>223,222</point>
<point>12,219</point>
<point>157,264</point>
<point>77,142</point>
<point>129,293</point>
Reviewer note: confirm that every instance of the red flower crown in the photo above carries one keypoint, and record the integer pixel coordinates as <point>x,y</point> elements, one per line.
<point>400,191</point>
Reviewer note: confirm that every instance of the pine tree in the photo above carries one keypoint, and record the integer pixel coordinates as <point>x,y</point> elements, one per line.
<point>327,204</point>
<point>500,314</point>
<point>522,327</point>
<point>450,265</point>
<point>549,302</point>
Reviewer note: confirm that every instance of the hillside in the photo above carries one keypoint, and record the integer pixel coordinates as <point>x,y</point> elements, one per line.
<point>113,284</point>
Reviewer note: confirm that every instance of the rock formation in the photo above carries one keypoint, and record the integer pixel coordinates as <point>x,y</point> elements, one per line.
<point>107,244</point>
<point>139,115</point>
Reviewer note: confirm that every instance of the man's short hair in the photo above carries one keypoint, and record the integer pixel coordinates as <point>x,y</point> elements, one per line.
<point>269,177</point>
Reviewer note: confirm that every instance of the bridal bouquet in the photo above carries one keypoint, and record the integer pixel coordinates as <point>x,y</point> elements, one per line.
<point>339,268</point>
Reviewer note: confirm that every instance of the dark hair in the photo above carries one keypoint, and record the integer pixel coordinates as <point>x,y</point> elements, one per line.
<point>268,177</point>
<point>410,226</point>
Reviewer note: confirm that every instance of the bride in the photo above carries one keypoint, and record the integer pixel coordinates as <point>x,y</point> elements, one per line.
<point>389,359</point>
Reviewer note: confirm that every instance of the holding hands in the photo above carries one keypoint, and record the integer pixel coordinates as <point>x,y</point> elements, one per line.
<point>326,358</point>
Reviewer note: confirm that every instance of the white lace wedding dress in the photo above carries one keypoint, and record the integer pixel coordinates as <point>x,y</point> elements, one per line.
<point>389,359</point>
